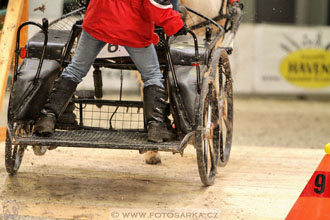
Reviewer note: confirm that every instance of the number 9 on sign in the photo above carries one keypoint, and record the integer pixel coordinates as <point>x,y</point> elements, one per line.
<point>320,184</point>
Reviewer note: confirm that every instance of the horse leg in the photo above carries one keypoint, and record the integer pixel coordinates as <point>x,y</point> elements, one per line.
<point>153,157</point>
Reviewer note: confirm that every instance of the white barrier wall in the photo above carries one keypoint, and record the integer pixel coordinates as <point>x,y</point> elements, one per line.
<point>278,59</point>
<point>38,9</point>
<point>46,8</point>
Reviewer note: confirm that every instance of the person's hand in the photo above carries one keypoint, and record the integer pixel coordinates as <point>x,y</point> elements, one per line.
<point>182,31</point>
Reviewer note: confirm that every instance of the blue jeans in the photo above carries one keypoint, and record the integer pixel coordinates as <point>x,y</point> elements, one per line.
<point>88,48</point>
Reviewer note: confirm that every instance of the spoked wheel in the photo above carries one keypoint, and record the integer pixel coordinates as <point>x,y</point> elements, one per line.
<point>14,153</point>
<point>207,134</point>
<point>226,108</point>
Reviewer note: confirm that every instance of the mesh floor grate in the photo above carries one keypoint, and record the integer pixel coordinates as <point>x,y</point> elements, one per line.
<point>99,139</point>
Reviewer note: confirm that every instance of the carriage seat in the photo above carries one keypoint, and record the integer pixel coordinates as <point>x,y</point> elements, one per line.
<point>57,40</point>
<point>184,54</point>
<point>182,49</point>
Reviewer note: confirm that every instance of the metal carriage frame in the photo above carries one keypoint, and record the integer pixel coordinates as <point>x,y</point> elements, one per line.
<point>208,125</point>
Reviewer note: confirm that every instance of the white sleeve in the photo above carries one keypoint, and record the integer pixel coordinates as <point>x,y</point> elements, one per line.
<point>162,4</point>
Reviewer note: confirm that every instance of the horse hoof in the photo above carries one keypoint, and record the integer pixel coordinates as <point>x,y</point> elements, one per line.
<point>153,157</point>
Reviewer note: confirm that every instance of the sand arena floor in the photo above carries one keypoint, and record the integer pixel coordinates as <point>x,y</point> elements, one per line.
<point>278,143</point>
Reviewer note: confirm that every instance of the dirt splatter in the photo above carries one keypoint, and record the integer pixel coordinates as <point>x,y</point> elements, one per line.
<point>41,8</point>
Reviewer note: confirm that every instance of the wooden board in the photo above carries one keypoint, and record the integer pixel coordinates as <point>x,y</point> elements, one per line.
<point>2,133</point>
<point>17,13</point>
<point>7,42</point>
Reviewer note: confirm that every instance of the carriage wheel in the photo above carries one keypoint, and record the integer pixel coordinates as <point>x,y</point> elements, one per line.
<point>226,108</point>
<point>14,153</point>
<point>207,134</point>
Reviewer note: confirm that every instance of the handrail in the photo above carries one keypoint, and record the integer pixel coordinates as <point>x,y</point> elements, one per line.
<point>44,28</point>
<point>222,31</point>
<point>67,15</point>
<point>237,17</point>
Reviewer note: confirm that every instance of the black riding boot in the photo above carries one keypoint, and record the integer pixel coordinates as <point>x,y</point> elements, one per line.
<point>154,106</point>
<point>67,120</point>
<point>57,102</point>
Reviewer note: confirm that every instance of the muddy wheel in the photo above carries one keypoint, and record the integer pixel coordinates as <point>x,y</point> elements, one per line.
<point>14,153</point>
<point>207,134</point>
<point>225,97</point>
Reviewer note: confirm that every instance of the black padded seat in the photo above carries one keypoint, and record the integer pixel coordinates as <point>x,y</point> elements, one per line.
<point>57,40</point>
<point>183,53</point>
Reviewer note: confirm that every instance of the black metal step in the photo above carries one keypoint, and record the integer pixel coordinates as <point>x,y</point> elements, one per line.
<point>100,139</point>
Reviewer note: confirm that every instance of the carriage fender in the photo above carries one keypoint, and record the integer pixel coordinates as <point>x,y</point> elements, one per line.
<point>28,98</point>
<point>187,82</point>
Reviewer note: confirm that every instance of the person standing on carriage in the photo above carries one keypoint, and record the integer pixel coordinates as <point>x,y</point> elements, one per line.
<point>129,23</point>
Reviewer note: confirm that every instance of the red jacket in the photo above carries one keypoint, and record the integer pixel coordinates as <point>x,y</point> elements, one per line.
<point>129,22</point>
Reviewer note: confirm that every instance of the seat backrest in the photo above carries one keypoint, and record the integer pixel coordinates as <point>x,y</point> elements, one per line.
<point>162,38</point>
<point>57,40</point>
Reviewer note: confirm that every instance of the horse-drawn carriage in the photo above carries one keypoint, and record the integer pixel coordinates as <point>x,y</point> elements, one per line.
<point>198,80</point>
